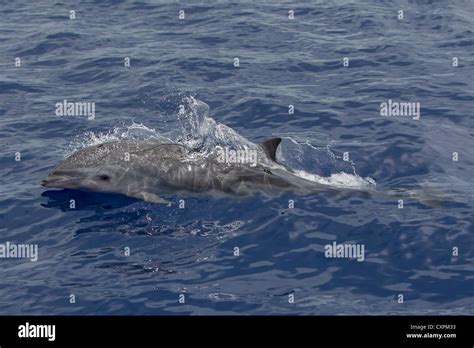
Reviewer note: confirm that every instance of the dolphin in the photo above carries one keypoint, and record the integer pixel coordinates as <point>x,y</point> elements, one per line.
<point>146,169</point>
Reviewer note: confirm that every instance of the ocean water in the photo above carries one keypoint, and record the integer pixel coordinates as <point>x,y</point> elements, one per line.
<point>182,85</point>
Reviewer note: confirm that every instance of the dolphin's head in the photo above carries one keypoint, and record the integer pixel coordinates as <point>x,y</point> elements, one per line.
<point>95,168</point>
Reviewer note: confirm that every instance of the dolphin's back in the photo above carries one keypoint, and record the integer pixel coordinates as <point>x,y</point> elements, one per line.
<point>179,168</point>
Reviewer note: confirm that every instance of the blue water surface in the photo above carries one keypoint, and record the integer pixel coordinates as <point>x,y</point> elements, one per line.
<point>282,62</point>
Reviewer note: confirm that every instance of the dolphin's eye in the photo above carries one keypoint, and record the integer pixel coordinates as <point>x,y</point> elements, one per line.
<point>104,177</point>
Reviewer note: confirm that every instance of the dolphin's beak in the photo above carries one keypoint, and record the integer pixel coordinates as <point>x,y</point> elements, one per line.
<point>56,179</point>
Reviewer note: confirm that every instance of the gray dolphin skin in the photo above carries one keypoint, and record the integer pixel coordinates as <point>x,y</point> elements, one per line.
<point>146,169</point>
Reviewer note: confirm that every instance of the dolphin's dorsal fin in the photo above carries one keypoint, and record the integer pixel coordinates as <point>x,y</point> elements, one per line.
<point>270,146</point>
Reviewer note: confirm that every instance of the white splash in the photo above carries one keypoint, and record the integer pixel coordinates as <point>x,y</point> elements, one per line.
<point>133,131</point>
<point>342,180</point>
